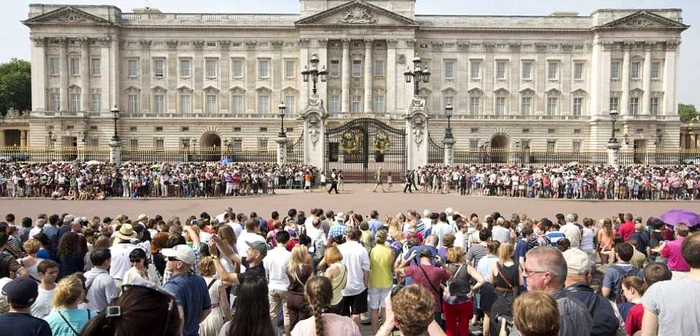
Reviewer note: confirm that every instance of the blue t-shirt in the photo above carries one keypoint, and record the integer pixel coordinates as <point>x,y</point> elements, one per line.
<point>521,249</point>
<point>192,294</point>
<point>17,324</point>
<point>554,236</point>
<point>77,318</point>
<point>51,232</point>
<point>375,225</point>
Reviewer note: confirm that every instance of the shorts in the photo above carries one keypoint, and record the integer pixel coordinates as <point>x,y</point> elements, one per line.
<point>354,305</point>
<point>377,297</point>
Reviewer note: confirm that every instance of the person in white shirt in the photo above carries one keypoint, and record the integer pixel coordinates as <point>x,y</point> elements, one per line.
<point>48,272</point>
<point>275,264</point>
<point>120,252</point>
<point>442,228</point>
<point>235,223</point>
<point>248,236</point>
<point>462,235</point>
<point>356,259</point>
<point>571,231</point>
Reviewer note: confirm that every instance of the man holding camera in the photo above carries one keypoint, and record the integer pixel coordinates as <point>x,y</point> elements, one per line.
<point>427,276</point>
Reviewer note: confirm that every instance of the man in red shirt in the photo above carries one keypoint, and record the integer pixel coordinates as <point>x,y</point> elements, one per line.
<point>627,228</point>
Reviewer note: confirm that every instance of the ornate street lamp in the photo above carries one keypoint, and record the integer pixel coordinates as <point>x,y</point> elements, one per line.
<point>115,117</point>
<point>417,74</point>
<point>613,118</point>
<point>448,113</point>
<point>283,110</point>
<point>314,73</point>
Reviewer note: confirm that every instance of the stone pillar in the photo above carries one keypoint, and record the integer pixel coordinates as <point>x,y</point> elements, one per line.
<point>282,150</point>
<point>613,154</point>
<point>114,73</point>
<point>646,80</point>
<point>416,134</point>
<point>198,76</point>
<point>85,75</point>
<point>39,79</point>
<point>670,79</point>
<point>314,132</point>
<point>146,73</point>
<point>303,64</point>
<point>115,151</point>
<point>225,77</point>
<point>345,78</point>
<point>625,99</point>
<point>251,75</point>
<point>391,76</point>
<point>23,138</point>
<point>104,79</point>
<point>322,51</point>
<point>2,138</point>
<point>368,75</point>
<point>63,72</point>
<point>449,156</point>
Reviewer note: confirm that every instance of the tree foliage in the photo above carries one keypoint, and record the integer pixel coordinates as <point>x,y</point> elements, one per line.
<point>687,112</point>
<point>15,86</point>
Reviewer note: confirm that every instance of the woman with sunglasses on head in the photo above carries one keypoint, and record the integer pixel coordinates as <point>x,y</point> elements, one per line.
<point>140,310</point>
<point>141,272</point>
<point>66,319</point>
<point>252,311</point>
<point>318,293</point>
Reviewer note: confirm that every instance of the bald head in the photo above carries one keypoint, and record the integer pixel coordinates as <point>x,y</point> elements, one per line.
<point>432,240</point>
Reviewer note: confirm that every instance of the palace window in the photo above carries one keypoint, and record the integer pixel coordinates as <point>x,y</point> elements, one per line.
<point>614,103</point>
<point>335,68</point>
<point>553,70</point>
<point>159,68</point>
<point>185,103</point>
<point>96,67</point>
<point>527,70</point>
<point>289,69</point>
<point>552,104</point>
<point>237,69</point>
<point>211,67</point>
<point>159,103</point>
<point>290,102</point>
<point>237,144</point>
<point>75,102</point>
<point>237,104</point>
<point>576,146</point>
<point>133,68</point>
<point>356,103</point>
<point>54,69</point>
<point>474,105</point>
<point>74,66</point>
<point>263,68</point>
<point>379,104</point>
<point>185,68</point>
<point>133,104</point>
<point>578,70</point>
<point>334,103</point>
<point>654,106</point>
<point>655,70</point>
<point>500,105</point>
<point>551,146</point>
<point>449,69</point>
<point>159,144</point>
<point>615,70</point>
<point>264,104</point>
<point>525,105</point>
<point>501,69</point>
<point>378,68</point>
<point>634,70</point>
<point>356,68</point>
<point>634,105</point>
<point>210,104</point>
<point>133,144</point>
<point>96,102</point>
<point>475,69</point>
<point>262,144</point>
<point>578,106</point>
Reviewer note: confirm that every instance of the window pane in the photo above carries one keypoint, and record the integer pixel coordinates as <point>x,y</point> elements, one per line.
<point>500,106</point>
<point>634,106</point>
<point>357,68</point>
<point>210,103</point>
<point>263,68</point>
<point>185,104</point>
<point>96,67</point>
<point>615,70</point>
<point>159,68</point>
<point>449,69</point>
<point>552,106</point>
<point>525,108</point>
<point>578,71</point>
<point>289,69</point>
<point>527,70</point>
<point>578,106</point>
<point>634,70</point>
<point>379,68</point>
<point>133,69</point>
<point>356,103</point>
<point>553,71</point>
<point>53,66</point>
<point>159,104</point>
<point>290,102</point>
<point>211,68</point>
<point>237,104</point>
<point>75,66</point>
<point>378,104</point>
<point>75,102</point>
<point>264,104</point>
<point>655,70</point>
<point>96,102</point>
<point>614,104</point>
<point>185,68</point>
<point>475,69</point>
<point>474,105</point>
<point>334,104</point>
<point>501,70</point>
<point>335,68</point>
<point>133,103</point>
<point>238,69</point>
<point>654,106</point>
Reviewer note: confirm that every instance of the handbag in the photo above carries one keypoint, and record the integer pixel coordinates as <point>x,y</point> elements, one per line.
<point>446,292</point>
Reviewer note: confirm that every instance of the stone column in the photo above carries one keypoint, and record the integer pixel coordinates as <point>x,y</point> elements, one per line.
<point>146,74</point>
<point>104,80</point>
<point>625,99</point>
<point>39,79</point>
<point>198,76</point>
<point>345,78</point>
<point>646,80</point>
<point>85,75</point>
<point>251,75</point>
<point>449,156</point>
<point>63,71</point>
<point>282,150</point>
<point>613,154</point>
<point>23,138</point>
<point>368,75</point>
<point>225,76</point>
<point>670,79</point>
<point>114,73</point>
<point>314,133</point>
<point>303,64</point>
<point>392,77</point>
<point>115,151</point>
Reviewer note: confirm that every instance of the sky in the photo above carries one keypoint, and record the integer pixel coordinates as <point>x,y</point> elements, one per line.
<point>15,36</point>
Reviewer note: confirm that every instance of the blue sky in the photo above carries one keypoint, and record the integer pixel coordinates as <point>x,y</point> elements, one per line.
<point>15,36</point>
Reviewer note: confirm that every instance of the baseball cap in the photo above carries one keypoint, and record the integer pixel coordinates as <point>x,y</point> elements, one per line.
<point>577,261</point>
<point>259,246</point>
<point>21,291</point>
<point>180,252</point>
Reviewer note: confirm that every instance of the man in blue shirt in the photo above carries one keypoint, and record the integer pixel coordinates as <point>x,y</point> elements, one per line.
<point>374,223</point>
<point>190,289</point>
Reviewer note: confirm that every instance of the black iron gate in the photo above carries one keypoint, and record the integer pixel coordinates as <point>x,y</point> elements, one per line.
<point>362,146</point>
<point>436,152</point>
<point>295,150</point>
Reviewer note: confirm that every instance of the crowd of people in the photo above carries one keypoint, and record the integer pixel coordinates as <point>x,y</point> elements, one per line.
<point>571,181</point>
<point>327,273</point>
<point>94,180</point>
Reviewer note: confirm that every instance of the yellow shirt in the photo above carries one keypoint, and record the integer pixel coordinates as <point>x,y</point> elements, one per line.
<point>381,260</point>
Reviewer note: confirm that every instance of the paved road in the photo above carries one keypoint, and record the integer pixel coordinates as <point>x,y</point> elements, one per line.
<point>356,197</point>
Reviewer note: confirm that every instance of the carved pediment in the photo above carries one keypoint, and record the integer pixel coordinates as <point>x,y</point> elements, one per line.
<point>185,89</point>
<point>132,89</point>
<point>644,20</point>
<point>210,89</point>
<point>290,90</point>
<point>579,93</point>
<point>264,90</point>
<point>158,89</point>
<point>237,90</point>
<point>450,91</point>
<point>501,92</point>
<point>67,15</point>
<point>637,92</point>
<point>527,92</point>
<point>553,92</point>
<point>357,13</point>
<point>476,92</point>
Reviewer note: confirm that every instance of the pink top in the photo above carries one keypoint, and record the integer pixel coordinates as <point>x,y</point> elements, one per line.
<point>672,251</point>
<point>332,325</point>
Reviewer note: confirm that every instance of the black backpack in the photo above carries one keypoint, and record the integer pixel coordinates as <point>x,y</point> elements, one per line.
<point>633,271</point>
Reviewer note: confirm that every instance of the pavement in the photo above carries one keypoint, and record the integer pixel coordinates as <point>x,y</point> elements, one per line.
<point>357,197</point>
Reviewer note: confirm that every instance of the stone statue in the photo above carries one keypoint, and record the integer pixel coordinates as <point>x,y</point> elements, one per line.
<point>314,128</point>
<point>358,16</point>
<point>418,127</point>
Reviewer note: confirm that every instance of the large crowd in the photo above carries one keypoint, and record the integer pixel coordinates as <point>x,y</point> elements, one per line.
<point>96,180</point>
<point>326,273</point>
<point>571,181</point>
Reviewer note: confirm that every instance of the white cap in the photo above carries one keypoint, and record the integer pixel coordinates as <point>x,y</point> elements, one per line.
<point>180,252</point>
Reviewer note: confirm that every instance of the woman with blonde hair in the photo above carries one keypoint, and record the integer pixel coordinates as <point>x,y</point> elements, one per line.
<point>337,273</point>
<point>506,280</point>
<point>220,308</point>
<point>298,272</point>
<point>535,314</point>
<point>66,319</point>
<point>458,306</point>
<point>31,261</point>
<point>318,293</point>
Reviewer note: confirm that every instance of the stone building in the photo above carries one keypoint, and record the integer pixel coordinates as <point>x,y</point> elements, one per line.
<point>542,82</point>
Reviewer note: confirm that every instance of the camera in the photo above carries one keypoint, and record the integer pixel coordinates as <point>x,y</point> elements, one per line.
<point>506,318</point>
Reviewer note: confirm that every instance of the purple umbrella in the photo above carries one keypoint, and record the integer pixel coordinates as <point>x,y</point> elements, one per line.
<point>678,216</point>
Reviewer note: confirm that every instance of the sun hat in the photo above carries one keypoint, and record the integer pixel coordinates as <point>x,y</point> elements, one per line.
<point>126,232</point>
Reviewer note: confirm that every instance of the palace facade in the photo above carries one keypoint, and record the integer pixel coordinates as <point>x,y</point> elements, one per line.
<point>180,80</point>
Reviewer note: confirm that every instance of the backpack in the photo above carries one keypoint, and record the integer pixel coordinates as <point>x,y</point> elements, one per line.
<point>633,271</point>
<point>4,267</point>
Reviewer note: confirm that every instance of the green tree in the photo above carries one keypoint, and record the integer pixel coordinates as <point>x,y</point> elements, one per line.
<point>687,112</point>
<point>15,86</point>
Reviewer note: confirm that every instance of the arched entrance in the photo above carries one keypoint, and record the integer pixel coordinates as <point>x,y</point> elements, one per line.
<point>500,146</point>
<point>210,149</point>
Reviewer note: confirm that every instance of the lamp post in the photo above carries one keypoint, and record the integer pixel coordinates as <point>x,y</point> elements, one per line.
<point>282,112</point>
<point>115,145</point>
<point>613,144</point>
<point>613,118</point>
<point>448,113</point>
<point>417,75</point>
<point>314,73</point>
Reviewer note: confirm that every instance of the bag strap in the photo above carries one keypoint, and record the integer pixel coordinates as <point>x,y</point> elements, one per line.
<point>68,323</point>
<point>211,283</point>
<point>430,282</point>
<point>345,274</point>
<point>498,268</point>
<point>455,275</point>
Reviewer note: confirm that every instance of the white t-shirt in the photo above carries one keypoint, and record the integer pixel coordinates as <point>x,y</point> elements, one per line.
<point>356,259</point>
<point>120,259</point>
<point>237,228</point>
<point>275,264</point>
<point>42,306</point>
